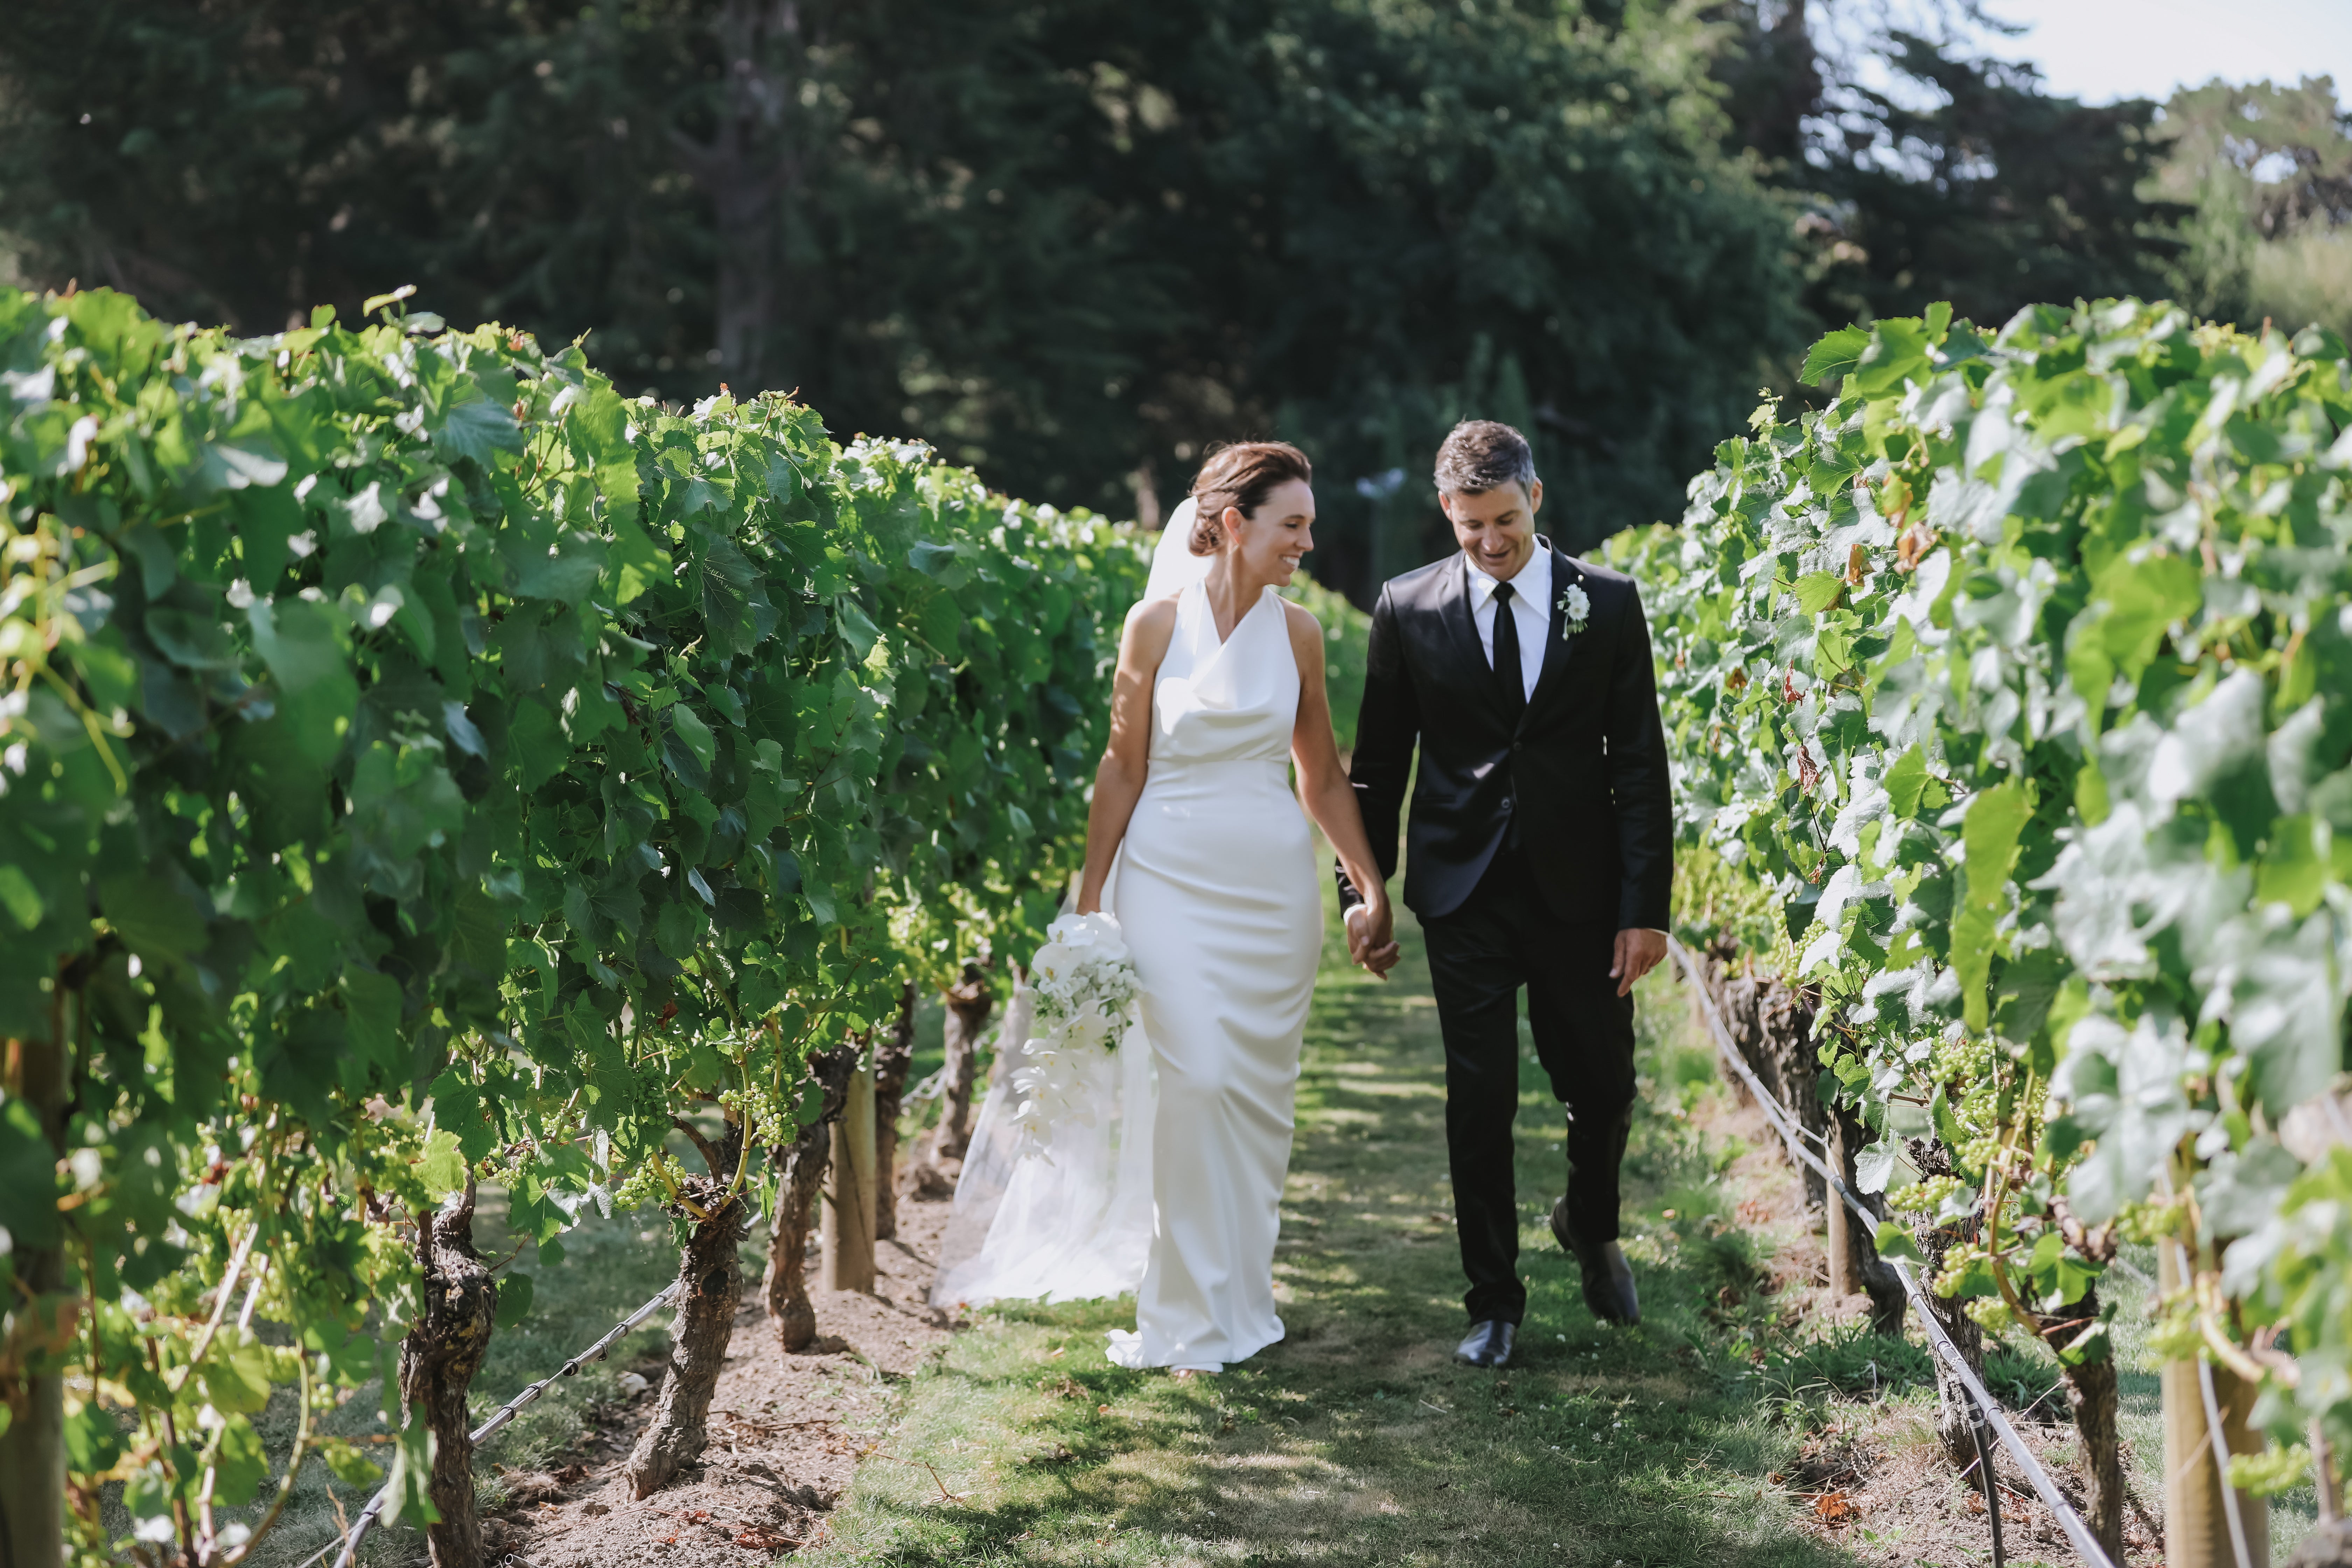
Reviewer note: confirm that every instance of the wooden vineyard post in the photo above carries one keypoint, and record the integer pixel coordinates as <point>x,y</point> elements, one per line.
<point>1845,1260</point>
<point>2196,1523</point>
<point>848,1229</point>
<point>1854,1263</point>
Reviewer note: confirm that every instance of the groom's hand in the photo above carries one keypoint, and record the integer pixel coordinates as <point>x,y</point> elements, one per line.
<point>1637,953</point>
<point>1371,943</point>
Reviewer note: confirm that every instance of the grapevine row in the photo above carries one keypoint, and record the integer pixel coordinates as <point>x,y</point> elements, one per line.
<point>422,767</point>
<point>2012,702</point>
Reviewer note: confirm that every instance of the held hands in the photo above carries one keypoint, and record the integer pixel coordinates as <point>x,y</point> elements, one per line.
<point>1371,941</point>
<point>1637,953</point>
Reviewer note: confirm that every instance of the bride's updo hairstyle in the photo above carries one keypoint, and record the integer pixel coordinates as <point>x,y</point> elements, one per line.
<point>1241,476</point>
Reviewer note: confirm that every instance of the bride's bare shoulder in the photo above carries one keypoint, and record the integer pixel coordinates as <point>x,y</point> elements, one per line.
<point>1305,632</point>
<point>1151,626</point>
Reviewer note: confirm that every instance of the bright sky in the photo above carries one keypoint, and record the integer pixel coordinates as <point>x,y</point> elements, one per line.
<point>2100,50</point>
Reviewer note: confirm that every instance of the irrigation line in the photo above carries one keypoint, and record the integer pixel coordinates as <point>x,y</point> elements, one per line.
<point>1987,1409</point>
<point>507,1412</point>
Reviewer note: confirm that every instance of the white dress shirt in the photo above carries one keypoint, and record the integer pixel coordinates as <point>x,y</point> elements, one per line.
<point>1530,606</point>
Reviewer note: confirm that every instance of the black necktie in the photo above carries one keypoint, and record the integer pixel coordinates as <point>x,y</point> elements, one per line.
<point>1509,683</point>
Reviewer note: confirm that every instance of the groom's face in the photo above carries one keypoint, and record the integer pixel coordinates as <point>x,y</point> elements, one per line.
<point>1497,527</point>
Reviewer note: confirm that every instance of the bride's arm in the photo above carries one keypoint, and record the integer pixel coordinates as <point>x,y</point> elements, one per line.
<point>1119,781</point>
<point>1323,785</point>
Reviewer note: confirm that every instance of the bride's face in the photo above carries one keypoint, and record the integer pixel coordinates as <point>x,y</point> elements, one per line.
<point>1270,543</point>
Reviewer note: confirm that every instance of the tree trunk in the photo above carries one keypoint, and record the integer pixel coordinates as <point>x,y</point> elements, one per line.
<point>893,1056</point>
<point>2196,1523</point>
<point>749,168</point>
<point>802,1167</point>
<point>33,1450</point>
<point>1953,1430</point>
<point>970,1002</point>
<point>712,1276</point>
<point>848,1229</point>
<point>437,1362</point>
<point>1854,1263</point>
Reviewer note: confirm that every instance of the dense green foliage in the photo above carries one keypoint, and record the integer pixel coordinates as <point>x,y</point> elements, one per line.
<point>1970,185</point>
<point>1068,244</point>
<point>2267,175</point>
<point>2021,678</point>
<point>421,762</point>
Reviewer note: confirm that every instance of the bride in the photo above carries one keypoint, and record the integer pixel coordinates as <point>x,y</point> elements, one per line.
<point>1196,844</point>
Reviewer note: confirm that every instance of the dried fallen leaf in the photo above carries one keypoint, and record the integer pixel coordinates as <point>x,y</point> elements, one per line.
<point>763,1538</point>
<point>1831,1507</point>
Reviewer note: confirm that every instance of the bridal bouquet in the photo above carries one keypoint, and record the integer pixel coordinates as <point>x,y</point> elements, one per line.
<point>1086,988</point>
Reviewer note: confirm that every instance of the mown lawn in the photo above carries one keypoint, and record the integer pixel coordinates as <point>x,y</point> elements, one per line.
<point>1358,1440</point>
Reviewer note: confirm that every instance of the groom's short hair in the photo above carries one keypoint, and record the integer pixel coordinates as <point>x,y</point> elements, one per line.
<point>1484,455</point>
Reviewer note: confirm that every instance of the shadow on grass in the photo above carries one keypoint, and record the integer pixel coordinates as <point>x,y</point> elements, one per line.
<point>1358,1439</point>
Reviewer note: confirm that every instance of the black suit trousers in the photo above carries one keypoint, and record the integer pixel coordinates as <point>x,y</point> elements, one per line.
<point>1503,936</point>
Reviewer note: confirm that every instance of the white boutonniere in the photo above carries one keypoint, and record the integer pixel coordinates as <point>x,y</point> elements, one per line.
<point>1576,608</point>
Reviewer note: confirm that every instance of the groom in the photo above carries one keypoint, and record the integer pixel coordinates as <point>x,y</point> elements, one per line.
<point>1540,853</point>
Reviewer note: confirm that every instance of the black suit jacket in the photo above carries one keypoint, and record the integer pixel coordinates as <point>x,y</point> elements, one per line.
<point>1583,772</point>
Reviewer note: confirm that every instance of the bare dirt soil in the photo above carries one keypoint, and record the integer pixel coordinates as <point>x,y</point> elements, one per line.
<point>786,1432</point>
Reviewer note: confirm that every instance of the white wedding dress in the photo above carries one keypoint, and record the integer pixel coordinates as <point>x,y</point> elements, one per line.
<point>1217,894</point>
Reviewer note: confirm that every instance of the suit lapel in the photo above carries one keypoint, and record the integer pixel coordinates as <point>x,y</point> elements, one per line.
<point>1559,648</point>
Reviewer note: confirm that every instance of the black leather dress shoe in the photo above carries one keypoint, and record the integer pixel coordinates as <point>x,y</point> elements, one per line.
<point>1608,1278</point>
<point>1489,1343</point>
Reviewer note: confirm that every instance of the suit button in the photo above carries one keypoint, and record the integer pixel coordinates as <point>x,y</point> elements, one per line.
<point>1518,745</point>
<point>1506,803</point>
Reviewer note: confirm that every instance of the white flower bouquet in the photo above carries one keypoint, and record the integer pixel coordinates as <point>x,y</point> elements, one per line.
<point>1086,988</point>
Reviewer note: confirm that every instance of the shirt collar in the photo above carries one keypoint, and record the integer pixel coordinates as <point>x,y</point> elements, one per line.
<point>1532,582</point>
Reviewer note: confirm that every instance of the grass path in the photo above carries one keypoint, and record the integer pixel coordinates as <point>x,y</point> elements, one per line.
<point>1358,1440</point>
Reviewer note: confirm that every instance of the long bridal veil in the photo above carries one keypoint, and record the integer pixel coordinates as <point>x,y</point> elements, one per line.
<point>1174,567</point>
<point>1076,1222</point>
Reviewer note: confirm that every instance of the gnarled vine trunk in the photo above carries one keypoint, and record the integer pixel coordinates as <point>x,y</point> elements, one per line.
<point>1772,1024</point>
<point>710,1277</point>
<point>894,1055</point>
<point>1953,1430</point>
<point>439,1360</point>
<point>800,1166</point>
<point>970,1002</point>
<point>2091,1395</point>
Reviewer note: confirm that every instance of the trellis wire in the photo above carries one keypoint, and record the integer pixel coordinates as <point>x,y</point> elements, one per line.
<point>1984,1410</point>
<point>505,1412</point>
